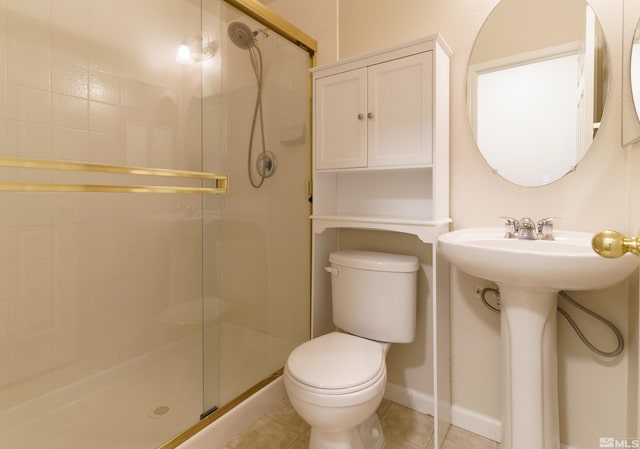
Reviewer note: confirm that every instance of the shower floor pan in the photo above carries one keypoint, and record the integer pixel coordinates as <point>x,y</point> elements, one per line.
<point>143,403</point>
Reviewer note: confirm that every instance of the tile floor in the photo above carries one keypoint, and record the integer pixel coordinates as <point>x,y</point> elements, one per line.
<point>282,428</point>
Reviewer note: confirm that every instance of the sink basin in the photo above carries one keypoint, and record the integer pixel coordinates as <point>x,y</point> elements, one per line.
<point>566,263</point>
<point>529,274</point>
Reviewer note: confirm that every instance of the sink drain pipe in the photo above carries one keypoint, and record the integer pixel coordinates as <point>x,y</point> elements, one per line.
<point>616,352</point>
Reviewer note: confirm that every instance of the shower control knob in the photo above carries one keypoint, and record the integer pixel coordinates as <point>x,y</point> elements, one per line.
<point>360,116</point>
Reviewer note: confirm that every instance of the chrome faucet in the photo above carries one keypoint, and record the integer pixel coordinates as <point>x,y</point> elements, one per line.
<point>527,229</point>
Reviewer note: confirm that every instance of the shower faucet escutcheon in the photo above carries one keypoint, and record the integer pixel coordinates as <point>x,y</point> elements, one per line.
<point>527,229</point>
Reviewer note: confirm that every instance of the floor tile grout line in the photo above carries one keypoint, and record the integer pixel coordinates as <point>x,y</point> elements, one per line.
<point>282,416</point>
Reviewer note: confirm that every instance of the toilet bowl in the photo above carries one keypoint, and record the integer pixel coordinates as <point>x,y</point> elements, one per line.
<point>336,382</point>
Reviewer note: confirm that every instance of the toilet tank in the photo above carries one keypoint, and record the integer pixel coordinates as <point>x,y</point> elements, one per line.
<point>374,294</point>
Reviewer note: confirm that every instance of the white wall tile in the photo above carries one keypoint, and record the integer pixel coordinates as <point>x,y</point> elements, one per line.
<point>104,148</point>
<point>3,61</point>
<point>70,112</point>
<point>70,79</point>
<point>70,304</point>
<point>29,355</point>
<point>28,104</point>
<point>70,144</point>
<point>27,139</point>
<point>70,239</point>
<point>28,243</point>
<point>69,47</point>
<point>30,313</point>
<point>35,9</point>
<point>70,342</point>
<point>4,321</point>
<point>69,208</point>
<point>71,15</point>
<point>104,88</point>
<point>28,69</point>
<point>28,34</point>
<point>104,118</point>
<point>25,210</point>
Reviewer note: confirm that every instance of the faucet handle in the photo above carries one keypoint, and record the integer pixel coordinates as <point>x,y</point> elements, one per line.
<point>545,228</point>
<point>511,227</point>
<point>527,223</point>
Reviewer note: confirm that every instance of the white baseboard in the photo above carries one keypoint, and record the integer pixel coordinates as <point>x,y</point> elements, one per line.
<point>412,399</point>
<point>466,419</point>
<point>483,425</point>
<point>217,434</point>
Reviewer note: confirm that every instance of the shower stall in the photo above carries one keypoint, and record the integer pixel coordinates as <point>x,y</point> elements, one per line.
<point>154,203</point>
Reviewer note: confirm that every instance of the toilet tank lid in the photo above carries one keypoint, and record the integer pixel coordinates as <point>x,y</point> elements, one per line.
<point>375,261</point>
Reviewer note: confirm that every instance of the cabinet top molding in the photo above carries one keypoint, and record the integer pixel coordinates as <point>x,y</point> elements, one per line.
<point>416,46</point>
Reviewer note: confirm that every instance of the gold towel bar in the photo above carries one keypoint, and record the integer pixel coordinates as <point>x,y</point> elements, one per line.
<point>102,188</point>
<point>221,181</point>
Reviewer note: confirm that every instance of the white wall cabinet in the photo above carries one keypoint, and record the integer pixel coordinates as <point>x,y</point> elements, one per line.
<point>381,141</point>
<point>381,162</point>
<point>376,116</point>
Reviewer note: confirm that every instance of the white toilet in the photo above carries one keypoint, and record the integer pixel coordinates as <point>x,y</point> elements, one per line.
<point>336,382</point>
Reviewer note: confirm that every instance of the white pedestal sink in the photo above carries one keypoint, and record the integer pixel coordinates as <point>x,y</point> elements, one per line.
<point>529,274</point>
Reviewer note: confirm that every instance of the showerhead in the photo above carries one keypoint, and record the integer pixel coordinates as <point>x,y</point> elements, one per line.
<point>241,35</point>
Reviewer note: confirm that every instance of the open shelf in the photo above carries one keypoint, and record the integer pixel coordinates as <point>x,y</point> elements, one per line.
<point>426,230</point>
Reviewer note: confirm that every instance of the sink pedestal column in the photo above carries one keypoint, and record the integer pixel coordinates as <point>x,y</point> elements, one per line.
<point>530,368</point>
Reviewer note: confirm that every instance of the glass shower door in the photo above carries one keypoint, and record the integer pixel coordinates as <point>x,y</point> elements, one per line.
<point>258,265</point>
<point>101,282</point>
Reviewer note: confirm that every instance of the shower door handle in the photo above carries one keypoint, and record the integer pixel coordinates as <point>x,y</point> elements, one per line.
<point>613,244</point>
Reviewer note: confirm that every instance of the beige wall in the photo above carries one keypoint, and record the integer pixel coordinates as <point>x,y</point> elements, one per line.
<point>538,31</point>
<point>595,397</point>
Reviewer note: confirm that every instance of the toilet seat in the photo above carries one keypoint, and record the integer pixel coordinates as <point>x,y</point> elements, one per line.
<point>337,364</point>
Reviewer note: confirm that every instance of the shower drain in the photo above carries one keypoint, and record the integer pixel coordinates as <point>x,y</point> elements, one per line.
<point>160,411</point>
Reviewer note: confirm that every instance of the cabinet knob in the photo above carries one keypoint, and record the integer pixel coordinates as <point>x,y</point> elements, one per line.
<point>360,116</point>
<point>370,115</point>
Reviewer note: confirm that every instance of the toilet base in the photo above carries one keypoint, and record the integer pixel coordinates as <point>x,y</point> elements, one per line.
<point>367,435</point>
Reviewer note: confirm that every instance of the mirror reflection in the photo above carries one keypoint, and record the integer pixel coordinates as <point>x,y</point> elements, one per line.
<point>635,70</point>
<point>536,88</point>
<point>631,73</point>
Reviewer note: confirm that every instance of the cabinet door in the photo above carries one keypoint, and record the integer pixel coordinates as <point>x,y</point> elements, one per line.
<point>341,120</point>
<point>400,101</point>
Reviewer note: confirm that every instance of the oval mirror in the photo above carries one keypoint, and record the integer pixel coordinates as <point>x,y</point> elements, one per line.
<point>536,87</point>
